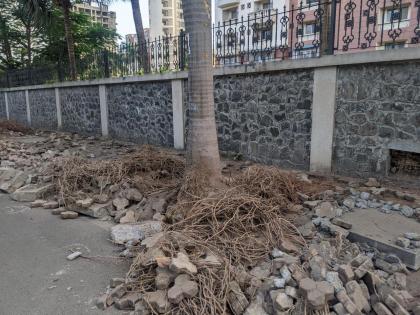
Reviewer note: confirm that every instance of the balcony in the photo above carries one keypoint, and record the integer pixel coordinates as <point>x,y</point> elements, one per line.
<point>226,3</point>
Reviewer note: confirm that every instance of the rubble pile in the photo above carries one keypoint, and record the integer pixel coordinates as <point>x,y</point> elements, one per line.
<point>188,268</point>
<point>268,242</point>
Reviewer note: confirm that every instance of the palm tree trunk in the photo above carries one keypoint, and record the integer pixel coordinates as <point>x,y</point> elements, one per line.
<point>141,38</point>
<point>29,44</point>
<point>203,149</point>
<point>65,6</point>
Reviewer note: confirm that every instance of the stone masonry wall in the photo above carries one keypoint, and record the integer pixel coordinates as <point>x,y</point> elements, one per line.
<point>141,112</point>
<point>377,106</point>
<point>3,114</point>
<point>17,107</point>
<point>81,110</point>
<point>266,117</point>
<point>43,109</point>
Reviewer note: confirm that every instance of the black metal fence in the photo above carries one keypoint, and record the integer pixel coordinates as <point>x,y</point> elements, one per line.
<point>311,28</point>
<point>303,30</point>
<point>161,55</point>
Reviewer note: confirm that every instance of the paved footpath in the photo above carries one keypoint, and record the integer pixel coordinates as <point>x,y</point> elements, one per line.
<point>35,276</point>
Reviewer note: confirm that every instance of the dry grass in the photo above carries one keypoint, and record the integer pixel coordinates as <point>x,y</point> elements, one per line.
<point>7,125</point>
<point>240,226</point>
<point>148,169</point>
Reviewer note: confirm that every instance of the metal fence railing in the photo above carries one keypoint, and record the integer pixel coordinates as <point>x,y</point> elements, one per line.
<point>311,28</point>
<point>305,29</point>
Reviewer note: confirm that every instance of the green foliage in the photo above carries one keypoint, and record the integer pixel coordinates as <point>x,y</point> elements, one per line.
<point>32,32</point>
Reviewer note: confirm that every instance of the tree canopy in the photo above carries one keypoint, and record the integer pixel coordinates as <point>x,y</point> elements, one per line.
<point>32,33</point>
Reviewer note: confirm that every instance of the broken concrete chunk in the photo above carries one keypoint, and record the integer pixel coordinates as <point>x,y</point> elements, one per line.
<point>183,288</point>
<point>341,223</point>
<point>50,205</point>
<point>128,302</point>
<point>326,209</point>
<point>182,264</point>
<point>84,203</point>
<point>326,289</point>
<point>381,309</point>
<point>158,301</point>
<point>283,302</point>
<point>355,293</point>
<point>129,217</point>
<point>316,300</point>
<point>348,304</point>
<point>256,306</point>
<point>31,192</point>
<point>58,211</point>
<point>102,198</point>
<point>164,278</point>
<point>403,242</point>
<point>38,203</point>
<point>394,306</point>
<point>307,285</point>
<point>68,215</point>
<point>412,236</point>
<point>120,203</point>
<point>133,194</point>
<point>346,273</point>
<point>123,233</point>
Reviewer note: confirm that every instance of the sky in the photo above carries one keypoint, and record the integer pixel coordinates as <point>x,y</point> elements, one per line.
<point>125,16</point>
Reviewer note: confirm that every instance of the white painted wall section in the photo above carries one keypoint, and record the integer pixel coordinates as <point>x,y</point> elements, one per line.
<point>28,107</point>
<point>323,117</point>
<point>58,105</point>
<point>104,110</point>
<point>178,113</point>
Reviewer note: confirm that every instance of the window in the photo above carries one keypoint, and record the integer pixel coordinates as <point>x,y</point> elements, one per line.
<point>230,14</point>
<point>311,3</point>
<point>267,5</point>
<point>393,16</point>
<point>309,29</point>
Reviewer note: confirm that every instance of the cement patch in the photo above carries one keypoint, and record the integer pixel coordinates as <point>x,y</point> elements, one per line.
<point>380,230</point>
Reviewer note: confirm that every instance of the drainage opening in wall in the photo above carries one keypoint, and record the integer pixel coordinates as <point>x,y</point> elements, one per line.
<point>405,163</point>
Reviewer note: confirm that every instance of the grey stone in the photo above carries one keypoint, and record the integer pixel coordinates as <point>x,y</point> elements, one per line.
<point>412,236</point>
<point>407,211</point>
<point>256,307</point>
<point>326,209</point>
<point>133,194</point>
<point>283,302</point>
<point>182,264</point>
<point>31,192</point>
<point>346,273</point>
<point>333,278</point>
<point>183,288</point>
<point>123,233</point>
<point>66,215</point>
<point>349,203</point>
<point>403,242</point>
<point>364,195</point>
<point>158,301</point>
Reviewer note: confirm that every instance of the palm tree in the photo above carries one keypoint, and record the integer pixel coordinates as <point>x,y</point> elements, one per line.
<point>65,6</point>
<point>203,149</point>
<point>141,38</point>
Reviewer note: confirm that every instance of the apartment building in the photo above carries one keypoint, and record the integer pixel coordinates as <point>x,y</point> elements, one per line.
<point>238,9</point>
<point>131,39</point>
<point>246,28</point>
<point>99,13</point>
<point>166,18</point>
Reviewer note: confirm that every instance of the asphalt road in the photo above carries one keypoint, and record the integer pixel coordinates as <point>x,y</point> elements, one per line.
<point>35,276</point>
